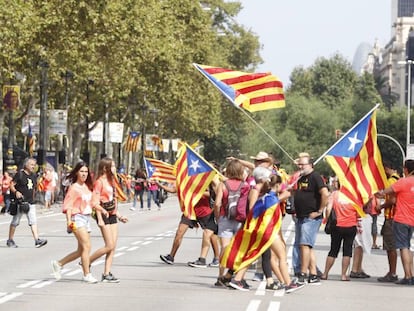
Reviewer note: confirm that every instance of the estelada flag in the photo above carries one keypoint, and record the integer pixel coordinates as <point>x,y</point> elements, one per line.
<point>159,170</point>
<point>250,91</point>
<point>357,162</point>
<point>193,176</point>
<point>258,233</point>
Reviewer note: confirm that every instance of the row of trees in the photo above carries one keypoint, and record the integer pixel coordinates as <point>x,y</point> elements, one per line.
<point>139,53</point>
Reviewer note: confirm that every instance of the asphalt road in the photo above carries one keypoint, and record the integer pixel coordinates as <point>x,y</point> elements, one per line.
<point>26,281</point>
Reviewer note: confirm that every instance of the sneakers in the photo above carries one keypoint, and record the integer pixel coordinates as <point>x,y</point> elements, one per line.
<point>238,285</point>
<point>167,259</point>
<point>222,282</point>
<point>57,269</point>
<point>359,275</point>
<point>132,208</point>
<point>214,263</point>
<point>258,277</point>
<point>275,286</point>
<point>109,278</point>
<point>388,278</point>
<point>245,285</point>
<point>40,243</point>
<point>302,278</point>
<point>314,280</point>
<point>405,281</point>
<point>199,263</point>
<point>90,279</point>
<point>10,243</point>
<point>293,286</point>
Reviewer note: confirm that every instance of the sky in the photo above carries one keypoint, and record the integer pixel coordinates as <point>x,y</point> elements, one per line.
<point>296,32</point>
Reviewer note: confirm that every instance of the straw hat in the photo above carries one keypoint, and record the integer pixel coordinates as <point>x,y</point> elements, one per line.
<point>262,156</point>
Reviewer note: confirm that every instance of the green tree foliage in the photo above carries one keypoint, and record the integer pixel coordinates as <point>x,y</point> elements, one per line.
<point>137,52</point>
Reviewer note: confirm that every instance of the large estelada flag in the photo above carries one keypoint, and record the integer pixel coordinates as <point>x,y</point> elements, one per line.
<point>357,162</point>
<point>159,170</point>
<point>193,176</point>
<point>258,233</point>
<point>251,91</point>
<point>132,142</point>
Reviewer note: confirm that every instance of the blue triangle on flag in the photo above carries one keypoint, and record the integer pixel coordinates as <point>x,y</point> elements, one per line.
<point>195,164</point>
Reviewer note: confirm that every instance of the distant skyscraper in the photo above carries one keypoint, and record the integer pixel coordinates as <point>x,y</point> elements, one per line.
<point>402,8</point>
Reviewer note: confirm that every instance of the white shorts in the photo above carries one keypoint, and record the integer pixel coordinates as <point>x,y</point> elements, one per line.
<point>82,221</point>
<point>227,228</point>
<point>31,216</point>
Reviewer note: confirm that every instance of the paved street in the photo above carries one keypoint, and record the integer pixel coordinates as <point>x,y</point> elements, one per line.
<point>148,284</point>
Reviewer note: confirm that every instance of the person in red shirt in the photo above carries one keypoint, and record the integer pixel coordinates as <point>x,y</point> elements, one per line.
<point>403,225</point>
<point>5,189</point>
<point>345,230</point>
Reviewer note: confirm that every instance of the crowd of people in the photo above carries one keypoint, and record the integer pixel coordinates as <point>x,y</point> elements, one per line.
<point>265,189</point>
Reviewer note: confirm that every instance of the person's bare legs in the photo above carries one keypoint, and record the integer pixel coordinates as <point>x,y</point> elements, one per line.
<point>179,234</point>
<point>328,265</point>
<point>346,260</point>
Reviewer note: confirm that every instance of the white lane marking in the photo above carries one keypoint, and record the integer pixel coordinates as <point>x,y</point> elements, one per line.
<point>157,239</point>
<point>121,248</point>
<point>149,238</point>
<point>73,272</point>
<point>253,305</point>
<point>279,293</point>
<point>43,284</point>
<point>147,242</point>
<point>136,242</point>
<point>118,254</point>
<point>274,306</point>
<point>132,248</point>
<point>261,289</point>
<point>28,284</point>
<point>8,297</point>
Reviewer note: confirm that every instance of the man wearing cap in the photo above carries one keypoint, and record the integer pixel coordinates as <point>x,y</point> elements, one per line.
<point>310,200</point>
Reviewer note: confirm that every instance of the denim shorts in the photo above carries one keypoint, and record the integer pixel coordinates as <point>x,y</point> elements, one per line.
<point>82,221</point>
<point>307,230</point>
<point>227,228</point>
<point>31,217</point>
<point>402,235</point>
<point>48,196</point>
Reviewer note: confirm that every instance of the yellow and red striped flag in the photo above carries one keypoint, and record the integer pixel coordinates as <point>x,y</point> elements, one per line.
<point>159,170</point>
<point>119,192</point>
<point>357,162</point>
<point>193,176</point>
<point>132,142</point>
<point>251,91</point>
<point>258,233</point>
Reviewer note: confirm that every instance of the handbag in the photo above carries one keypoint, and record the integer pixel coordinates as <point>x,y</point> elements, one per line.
<point>331,222</point>
<point>13,207</point>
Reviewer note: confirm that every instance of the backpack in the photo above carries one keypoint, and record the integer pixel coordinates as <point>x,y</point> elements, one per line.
<point>236,208</point>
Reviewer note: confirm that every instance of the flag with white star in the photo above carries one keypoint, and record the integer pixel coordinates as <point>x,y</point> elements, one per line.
<point>357,162</point>
<point>193,176</point>
<point>159,170</point>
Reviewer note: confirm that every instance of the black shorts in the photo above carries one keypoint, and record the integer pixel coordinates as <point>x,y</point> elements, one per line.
<point>187,221</point>
<point>208,222</point>
<point>112,219</point>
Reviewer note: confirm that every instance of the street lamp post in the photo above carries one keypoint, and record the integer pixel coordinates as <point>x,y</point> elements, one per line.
<point>144,109</point>
<point>41,154</point>
<point>86,156</point>
<point>409,63</point>
<point>67,76</point>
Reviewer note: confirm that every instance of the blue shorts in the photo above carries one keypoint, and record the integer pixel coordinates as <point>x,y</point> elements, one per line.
<point>306,230</point>
<point>402,235</point>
